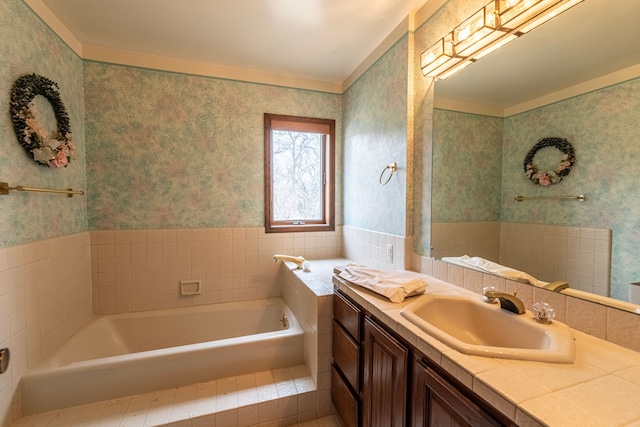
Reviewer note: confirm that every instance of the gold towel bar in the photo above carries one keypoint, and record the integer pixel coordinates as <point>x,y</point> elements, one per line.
<point>581,197</point>
<point>4,190</point>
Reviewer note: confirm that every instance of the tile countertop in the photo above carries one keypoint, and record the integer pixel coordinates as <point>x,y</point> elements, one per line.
<point>601,388</point>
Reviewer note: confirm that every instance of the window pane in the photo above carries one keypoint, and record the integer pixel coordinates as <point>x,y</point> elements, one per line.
<point>297,175</point>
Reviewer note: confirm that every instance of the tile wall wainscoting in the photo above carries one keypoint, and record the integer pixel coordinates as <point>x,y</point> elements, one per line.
<point>140,270</point>
<point>466,238</point>
<point>580,256</point>
<point>45,297</point>
<point>370,248</point>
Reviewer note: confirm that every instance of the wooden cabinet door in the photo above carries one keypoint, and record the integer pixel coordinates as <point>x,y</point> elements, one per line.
<point>437,403</point>
<point>346,356</point>
<point>348,314</point>
<point>345,401</point>
<point>385,378</point>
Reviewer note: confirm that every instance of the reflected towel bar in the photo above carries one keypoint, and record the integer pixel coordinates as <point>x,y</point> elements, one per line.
<point>4,190</point>
<point>581,198</point>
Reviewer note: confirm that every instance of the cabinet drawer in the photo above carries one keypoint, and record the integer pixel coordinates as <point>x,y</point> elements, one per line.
<point>345,402</point>
<point>346,355</point>
<point>345,312</point>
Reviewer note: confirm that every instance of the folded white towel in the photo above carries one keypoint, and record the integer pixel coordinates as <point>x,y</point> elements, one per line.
<point>396,285</point>
<point>485,265</point>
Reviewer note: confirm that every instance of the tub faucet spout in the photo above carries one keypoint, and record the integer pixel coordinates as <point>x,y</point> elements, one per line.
<point>297,260</point>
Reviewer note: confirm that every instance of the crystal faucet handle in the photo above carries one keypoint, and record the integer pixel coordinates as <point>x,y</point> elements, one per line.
<point>543,312</point>
<point>488,290</point>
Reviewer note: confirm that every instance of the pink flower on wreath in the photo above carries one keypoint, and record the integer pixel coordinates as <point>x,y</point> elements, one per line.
<point>544,179</point>
<point>60,160</point>
<point>63,148</point>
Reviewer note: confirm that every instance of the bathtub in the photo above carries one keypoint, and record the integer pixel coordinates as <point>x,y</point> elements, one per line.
<point>124,354</point>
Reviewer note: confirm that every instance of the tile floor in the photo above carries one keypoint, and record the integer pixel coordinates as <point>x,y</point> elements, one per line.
<point>282,397</point>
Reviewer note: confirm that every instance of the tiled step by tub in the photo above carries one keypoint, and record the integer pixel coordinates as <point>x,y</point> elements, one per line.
<point>282,397</point>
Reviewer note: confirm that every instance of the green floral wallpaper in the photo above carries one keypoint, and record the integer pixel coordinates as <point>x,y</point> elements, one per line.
<point>28,46</point>
<point>467,167</point>
<point>375,123</point>
<point>171,150</point>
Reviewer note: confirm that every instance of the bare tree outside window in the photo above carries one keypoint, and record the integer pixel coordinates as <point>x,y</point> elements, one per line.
<point>297,175</point>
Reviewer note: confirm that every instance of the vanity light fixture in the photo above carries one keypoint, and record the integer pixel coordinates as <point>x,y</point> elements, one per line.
<point>493,26</point>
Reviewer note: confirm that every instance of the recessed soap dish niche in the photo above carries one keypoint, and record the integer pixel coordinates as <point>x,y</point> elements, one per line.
<point>190,287</point>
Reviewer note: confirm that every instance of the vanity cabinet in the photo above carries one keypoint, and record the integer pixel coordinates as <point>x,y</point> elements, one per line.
<point>369,369</point>
<point>379,380</point>
<point>346,367</point>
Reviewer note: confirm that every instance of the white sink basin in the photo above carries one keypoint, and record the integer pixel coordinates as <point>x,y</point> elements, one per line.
<point>472,326</point>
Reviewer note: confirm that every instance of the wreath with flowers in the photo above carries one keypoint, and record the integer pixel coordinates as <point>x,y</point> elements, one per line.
<point>48,149</point>
<point>551,176</point>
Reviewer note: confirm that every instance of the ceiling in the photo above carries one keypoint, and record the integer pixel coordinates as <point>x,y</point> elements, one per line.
<point>593,39</point>
<point>323,40</point>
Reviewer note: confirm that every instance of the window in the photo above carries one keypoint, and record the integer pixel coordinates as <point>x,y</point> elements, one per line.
<point>299,173</point>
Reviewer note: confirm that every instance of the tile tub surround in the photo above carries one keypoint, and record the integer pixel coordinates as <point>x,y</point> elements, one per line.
<point>139,270</point>
<point>608,323</point>
<point>599,389</point>
<point>45,296</point>
<point>310,297</point>
<point>281,397</point>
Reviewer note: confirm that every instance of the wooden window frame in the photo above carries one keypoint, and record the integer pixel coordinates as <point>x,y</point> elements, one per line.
<point>295,123</point>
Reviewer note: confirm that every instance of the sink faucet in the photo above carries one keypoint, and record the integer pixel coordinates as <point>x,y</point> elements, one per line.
<point>507,301</point>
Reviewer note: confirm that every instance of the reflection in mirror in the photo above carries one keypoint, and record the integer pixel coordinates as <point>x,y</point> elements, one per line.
<point>575,77</point>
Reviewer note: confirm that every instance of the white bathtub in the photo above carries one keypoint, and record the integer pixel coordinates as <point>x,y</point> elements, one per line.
<point>124,354</point>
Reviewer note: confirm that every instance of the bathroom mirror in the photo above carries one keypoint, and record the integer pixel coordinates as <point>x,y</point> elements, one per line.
<point>577,77</point>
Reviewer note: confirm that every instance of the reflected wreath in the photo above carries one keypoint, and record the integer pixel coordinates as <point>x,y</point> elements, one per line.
<point>551,176</point>
<point>53,150</point>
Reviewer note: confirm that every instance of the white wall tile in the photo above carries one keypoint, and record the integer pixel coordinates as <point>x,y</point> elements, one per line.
<point>40,306</point>
<point>569,253</point>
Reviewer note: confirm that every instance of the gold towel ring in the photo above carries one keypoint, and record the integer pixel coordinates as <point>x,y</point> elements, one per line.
<point>392,167</point>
